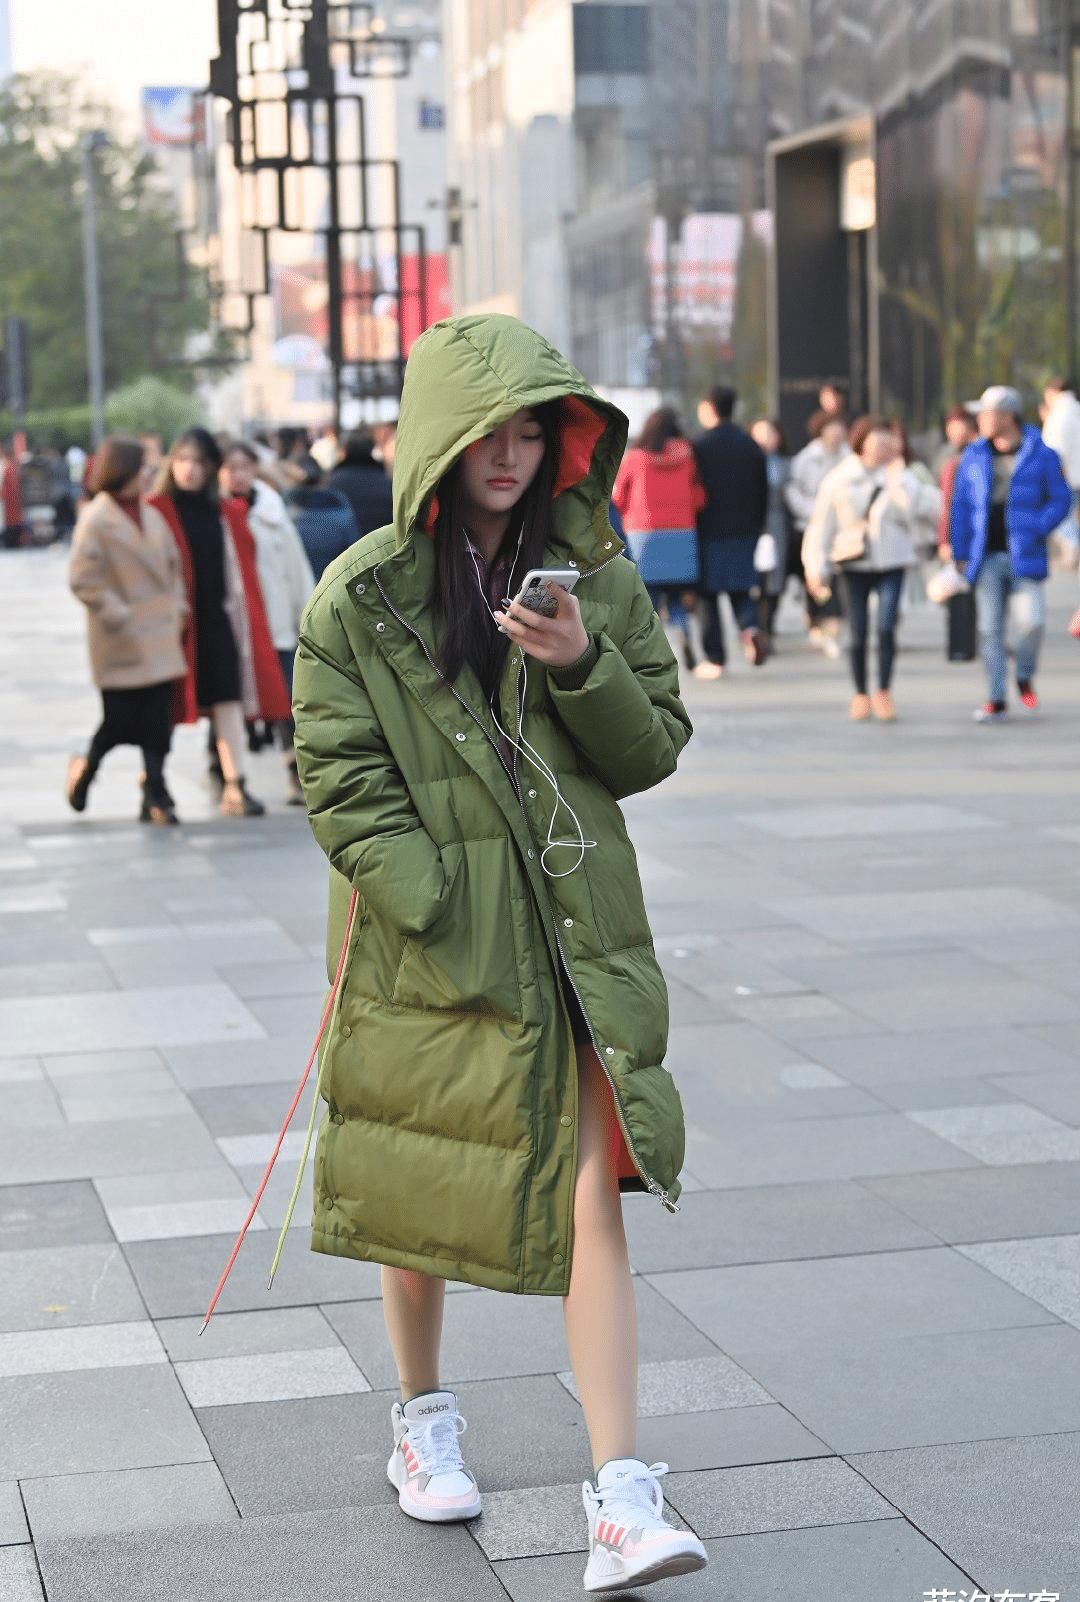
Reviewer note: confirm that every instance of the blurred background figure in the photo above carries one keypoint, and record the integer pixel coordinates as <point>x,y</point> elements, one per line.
<point>658,496</point>
<point>364,483</point>
<point>863,535</point>
<point>1010,496</point>
<point>736,481</point>
<point>125,568</point>
<point>233,669</point>
<point>325,448</point>
<point>827,448</point>
<point>832,400</point>
<point>774,548</point>
<point>285,575</point>
<point>1061,431</point>
<point>324,519</point>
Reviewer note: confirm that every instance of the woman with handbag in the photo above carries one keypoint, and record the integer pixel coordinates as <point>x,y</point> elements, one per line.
<point>658,495</point>
<point>864,530</point>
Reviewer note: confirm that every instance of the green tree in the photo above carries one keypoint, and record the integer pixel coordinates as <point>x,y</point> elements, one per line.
<point>42,119</point>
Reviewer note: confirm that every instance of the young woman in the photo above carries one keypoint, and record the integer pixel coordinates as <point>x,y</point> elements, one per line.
<point>285,576</point>
<point>125,569</point>
<point>864,528</point>
<point>769,434</point>
<point>493,1069</point>
<point>828,447</point>
<point>658,495</point>
<point>233,668</point>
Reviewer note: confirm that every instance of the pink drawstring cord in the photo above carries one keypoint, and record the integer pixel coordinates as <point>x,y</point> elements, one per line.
<point>328,1009</point>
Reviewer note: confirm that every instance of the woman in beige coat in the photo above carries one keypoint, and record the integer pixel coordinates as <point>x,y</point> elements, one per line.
<point>125,569</point>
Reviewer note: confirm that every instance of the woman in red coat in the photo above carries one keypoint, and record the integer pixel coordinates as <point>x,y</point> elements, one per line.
<point>659,495</point>
<point>233,669</point>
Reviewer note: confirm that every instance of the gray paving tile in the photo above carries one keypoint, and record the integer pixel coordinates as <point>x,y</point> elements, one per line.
<point>488,1336</point>
<point>842,1148</point>
<point>56,1351</point>
<point>1057,1094</point>
<point>759,1223</point>
<point>933,913</point>
<point>1005,1510</point>
<point>557,1579</point>
<point>66,1285</point>
<point>333,1556</point>
<point>66,1506</point>
<point>695,1385</point>
<point>867,820</point>
<point>270,1377</point>
<point>1006,1133</point>
<point>774,1496</point>
<point>32,1106</point>
<point>332,1451</point>
<point>172,1220</point>
<point>287,1329</point>
<point>972,1204</point>
<point>19,1581</point>
<point>107,1418</point>
<point>1047,1270</point>
<point>21,1071</point>
<point>247,1062</point>
<point>77,1092</point>
<point>919,1390</point>
<point>923,1095</point>
<point>255,980</point>
<point>845,1300</point>
<point>36,1217</point>
<point>236,1110</point>
<point>802,1018</point>
<point>97,1150</point>
<point>126,1104</point>
<point>13,1528</point>
<point>937,1054</point>
<point>721,1439</point>
<point>176,1277</point>
<point>215,1183</point>
<point>93,1064</point>
<point>181,1015</point>
<point>54,978</point>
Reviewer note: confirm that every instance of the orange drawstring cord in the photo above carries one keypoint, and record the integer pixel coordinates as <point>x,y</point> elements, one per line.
<point>327,1011</point>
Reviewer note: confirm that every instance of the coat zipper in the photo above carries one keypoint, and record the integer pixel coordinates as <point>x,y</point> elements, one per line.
<point>653,1188</point>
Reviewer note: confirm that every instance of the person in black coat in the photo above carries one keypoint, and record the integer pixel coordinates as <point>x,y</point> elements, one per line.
<point>734,471</point>
<point>364,483</point>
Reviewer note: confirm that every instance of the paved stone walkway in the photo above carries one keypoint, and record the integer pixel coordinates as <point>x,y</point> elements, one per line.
<point>860,1337</point>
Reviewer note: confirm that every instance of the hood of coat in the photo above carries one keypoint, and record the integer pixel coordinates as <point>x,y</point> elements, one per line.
<point>465,377</point>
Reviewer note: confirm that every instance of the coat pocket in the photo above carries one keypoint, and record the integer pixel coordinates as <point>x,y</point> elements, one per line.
<point>468,961</point>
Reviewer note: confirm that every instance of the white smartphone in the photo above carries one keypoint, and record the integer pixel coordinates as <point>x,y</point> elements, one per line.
<point>535,592</point>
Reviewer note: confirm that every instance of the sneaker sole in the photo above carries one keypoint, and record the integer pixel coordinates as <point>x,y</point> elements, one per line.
<point>665,1568</point>
<point>435,1515</point>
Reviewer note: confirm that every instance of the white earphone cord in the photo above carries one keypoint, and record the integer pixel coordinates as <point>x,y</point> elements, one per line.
<point>528,751</point>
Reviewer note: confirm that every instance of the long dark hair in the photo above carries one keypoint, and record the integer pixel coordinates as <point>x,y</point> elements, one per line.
<point>466,631</point>
<point>210,451</point>
<point>660,427</point>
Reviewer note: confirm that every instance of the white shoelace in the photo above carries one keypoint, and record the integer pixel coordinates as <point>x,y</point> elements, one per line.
<point>628,1498</point>
<point>436,1444</point>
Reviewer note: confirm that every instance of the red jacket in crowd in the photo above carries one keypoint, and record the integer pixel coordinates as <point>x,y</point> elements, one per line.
<point>659,491</point>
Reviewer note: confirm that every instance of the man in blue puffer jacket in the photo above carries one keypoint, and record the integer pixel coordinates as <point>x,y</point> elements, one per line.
<point>1010,496</point>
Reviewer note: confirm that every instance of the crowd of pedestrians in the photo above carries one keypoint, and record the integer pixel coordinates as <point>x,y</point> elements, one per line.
<point>861,526</point>
<point>194,567</point>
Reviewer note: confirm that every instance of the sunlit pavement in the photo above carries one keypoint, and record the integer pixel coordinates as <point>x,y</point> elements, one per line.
<point>859,1338</point>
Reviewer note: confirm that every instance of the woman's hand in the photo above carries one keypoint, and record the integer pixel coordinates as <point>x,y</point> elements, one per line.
<point>556,641</point>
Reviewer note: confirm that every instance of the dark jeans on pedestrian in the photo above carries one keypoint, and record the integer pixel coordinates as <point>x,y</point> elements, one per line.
<point>744,606</point>
<point>858,588</point>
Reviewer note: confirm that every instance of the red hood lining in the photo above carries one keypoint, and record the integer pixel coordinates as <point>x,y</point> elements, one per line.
<point>580,431</point>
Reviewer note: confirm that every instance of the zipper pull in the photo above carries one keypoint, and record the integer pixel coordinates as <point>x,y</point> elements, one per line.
<point>662,1197</point>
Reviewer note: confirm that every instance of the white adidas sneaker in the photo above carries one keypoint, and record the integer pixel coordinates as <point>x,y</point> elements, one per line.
<point>425,1466</point>
<point>630,1542</point>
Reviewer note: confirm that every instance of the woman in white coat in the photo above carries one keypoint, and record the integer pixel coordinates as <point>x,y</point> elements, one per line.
<point>864,529</point>
<point>285,575</point>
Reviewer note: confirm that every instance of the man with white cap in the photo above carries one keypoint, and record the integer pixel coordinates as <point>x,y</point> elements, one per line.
<point>1010,496</point>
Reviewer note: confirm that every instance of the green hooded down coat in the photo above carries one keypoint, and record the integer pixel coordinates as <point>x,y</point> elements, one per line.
<point>450,1141</point>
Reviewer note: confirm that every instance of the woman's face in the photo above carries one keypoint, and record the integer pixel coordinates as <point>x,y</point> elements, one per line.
<point>498,469</point>
<point>189,470</point>
<point>238,474</point>
<point>765,435</point>
<point>880,448</point>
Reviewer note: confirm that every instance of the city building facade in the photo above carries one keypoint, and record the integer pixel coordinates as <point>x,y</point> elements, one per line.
<point>776,192</point>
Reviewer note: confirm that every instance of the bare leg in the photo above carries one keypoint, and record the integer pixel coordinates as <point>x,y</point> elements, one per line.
<point>413,1310</point>
<point>600,1311</point>
<point>227,721</point>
